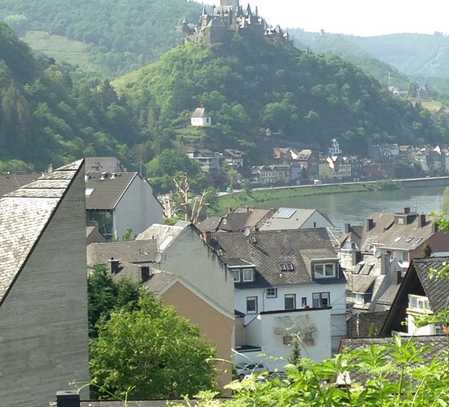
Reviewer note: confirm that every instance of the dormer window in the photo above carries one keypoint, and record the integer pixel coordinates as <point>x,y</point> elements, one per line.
<point>287,267</point>
<point>325,270</point>
<point>236,274</point>
<point>248,275</point>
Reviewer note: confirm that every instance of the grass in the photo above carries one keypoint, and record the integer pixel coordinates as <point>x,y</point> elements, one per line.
<point>61,49</point>
<point>255,198</point>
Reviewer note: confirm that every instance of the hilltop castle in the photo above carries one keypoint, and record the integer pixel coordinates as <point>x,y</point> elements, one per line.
<point>218,23</point>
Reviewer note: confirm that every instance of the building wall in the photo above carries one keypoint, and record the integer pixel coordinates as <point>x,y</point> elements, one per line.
<point>43,321</point>
<point>317,221</point>
<point>190,258</point>
<point>201,121</point>
<point>137,210</point>
<point>267,331</point>
<point>215,327</point>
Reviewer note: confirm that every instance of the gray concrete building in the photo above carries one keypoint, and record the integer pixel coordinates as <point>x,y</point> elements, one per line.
<point>43,289</point>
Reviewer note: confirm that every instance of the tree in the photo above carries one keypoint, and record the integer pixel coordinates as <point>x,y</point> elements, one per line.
<point>445,206</point>
<point>152,353</point>
<point>106,296</point>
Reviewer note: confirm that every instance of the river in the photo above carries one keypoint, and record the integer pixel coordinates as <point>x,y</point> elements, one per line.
<point>355,207</point>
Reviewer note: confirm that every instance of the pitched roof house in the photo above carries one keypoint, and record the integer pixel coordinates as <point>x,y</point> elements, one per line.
<point>280,274</point>
<point>293,218</point>
<point>174,263</point>
<point>43,288</point>
<point>377,256</point>
<point>421,293</point>
<point>119,202</point>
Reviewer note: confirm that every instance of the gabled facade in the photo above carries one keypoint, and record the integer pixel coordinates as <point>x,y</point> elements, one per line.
<point>278,273</point>
<point>121,202</point>
<point>43,289</point>
<point>200,118</point>
<point>294,218</point>
<point>421,293</point>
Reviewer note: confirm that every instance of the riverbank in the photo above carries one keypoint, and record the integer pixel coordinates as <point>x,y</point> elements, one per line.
<point>258,196</point>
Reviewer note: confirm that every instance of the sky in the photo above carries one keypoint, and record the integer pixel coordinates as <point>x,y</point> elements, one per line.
<point>358,17</point>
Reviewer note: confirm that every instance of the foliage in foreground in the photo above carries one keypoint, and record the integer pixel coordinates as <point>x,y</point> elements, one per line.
<point>150,353</point>
<point>388,376</point>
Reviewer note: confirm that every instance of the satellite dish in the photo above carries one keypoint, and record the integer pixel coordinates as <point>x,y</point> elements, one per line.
<point>158,258</point>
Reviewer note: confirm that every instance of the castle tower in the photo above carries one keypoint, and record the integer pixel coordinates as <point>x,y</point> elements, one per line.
<point>230,4</point>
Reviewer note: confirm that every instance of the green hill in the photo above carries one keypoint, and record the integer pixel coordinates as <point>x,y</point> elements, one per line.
<point>254,83</point>
<point>393,59</point>
<point>121,35</point>
<point>51,113</point>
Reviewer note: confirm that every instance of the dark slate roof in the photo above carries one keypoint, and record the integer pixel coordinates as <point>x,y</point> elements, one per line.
<point>392,235</point>
<point>24,215</point>
<point>106,194</point>
<point>242,218</point>
<point>355,235</point>
<point>134,251</point>
<point>93,235</point>
<point>436,289</point>
<point>210,224</point>
<point>11,182</point>
<point>159,282</point>
<point>267,250</point>
<point>434,345</point>
<point>387,298</point>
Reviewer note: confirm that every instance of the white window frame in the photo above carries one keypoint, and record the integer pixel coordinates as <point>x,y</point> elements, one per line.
<point>326,294</point>
<point>274,295</point>
<point>256,300</point>
<point>246,280</point>
<point>323,274</point>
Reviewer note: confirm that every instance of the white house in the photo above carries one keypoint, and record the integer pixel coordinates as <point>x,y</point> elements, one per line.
<point>120,202</point>
<point>200,118</point>
<point>292,218</point>
<point>280,274</point>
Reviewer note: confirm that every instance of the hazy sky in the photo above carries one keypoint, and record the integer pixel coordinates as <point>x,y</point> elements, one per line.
<point>360,17</point>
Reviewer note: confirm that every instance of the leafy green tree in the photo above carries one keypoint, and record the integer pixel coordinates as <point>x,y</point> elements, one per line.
<point>445,205</point>
<point>153,352</point>
<point>107,296</point>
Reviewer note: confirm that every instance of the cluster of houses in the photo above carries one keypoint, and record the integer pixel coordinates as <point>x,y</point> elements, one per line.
<point>254,280</point>
<point>295,166</point>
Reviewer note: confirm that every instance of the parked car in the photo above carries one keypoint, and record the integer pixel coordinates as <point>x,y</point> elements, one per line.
<point>246,369</point>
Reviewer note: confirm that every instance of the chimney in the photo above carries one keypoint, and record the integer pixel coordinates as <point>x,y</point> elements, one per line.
<point>347,228</point>
<point>115,266</point>
<point>385,264</point>
<point>434,227</point>
<point>67,399</point>
<point>369,224</point>
<point>421,221</point>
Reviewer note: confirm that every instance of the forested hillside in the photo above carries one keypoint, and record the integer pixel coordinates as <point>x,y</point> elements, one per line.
<point>52,114</point>
<point>254,83</point>
<point>122,34</point>
<point>420,56</point>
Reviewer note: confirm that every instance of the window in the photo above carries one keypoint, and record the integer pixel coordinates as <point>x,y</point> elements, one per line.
<point>290,301</point>
<point>236,275</point>
<point>272,292</point>
<point>326,270</point>
<point>287,267</point>
<point>321,300</point>
<point>251,305</point>
<point>418,303</point>
<point>248,275</point>
<point>304,302</point>
<point>145,273</point>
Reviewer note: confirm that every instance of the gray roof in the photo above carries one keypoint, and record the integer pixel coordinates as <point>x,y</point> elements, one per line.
<point>433,345</point>
<point>391,235</point>
<point>102,164</point>
<point>164,235</point>
<point>93,235</point>
<point>210,224</point>
<point>24,215</point>
<point>159,282</point>
<point>133,251</point>
<point>199,113</point>
<point>11,182</point>
<point>436,289</point>
<point>242,218</point>
<point>387,298</point>
<point>106,194</point>
<point>360,283</point>
<point>268,250</point>
<point>289,218</point>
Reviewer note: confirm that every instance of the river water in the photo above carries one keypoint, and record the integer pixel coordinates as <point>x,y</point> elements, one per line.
<point>355,207</point>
